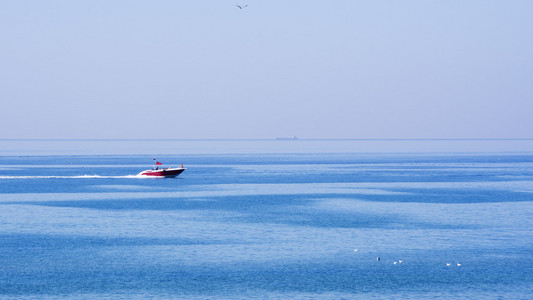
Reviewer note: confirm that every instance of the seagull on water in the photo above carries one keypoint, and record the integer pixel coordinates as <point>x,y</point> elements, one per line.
<point>448,264</point>
<point>459,265</point>
<point>400,261</point>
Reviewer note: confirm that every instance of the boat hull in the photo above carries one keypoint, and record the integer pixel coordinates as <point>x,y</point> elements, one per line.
<point>163,173</point>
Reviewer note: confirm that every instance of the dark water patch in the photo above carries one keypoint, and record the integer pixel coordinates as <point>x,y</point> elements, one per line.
<point>231,203</point>
<point>283,209</point>
<point>294,209</point>
<point>14,242</point>
<point>450,196</point>
<point>322,219</point>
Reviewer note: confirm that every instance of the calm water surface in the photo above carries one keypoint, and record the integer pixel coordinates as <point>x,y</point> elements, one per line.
<point>267,219</point>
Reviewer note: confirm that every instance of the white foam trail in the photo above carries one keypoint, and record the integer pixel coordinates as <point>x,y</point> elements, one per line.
<point>66,177</point>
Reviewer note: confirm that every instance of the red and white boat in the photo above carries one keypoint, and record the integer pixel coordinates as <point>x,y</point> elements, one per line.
<point>162,172</point>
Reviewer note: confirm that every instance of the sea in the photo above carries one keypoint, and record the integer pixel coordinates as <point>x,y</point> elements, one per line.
<point>267,219</point>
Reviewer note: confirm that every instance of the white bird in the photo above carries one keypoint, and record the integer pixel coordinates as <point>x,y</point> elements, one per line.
<point>400,261</point>
<point>395,262</point>
<point>448,264</point>
<point>355,250</point>
<point>378,258</point>
<point>459,265</point>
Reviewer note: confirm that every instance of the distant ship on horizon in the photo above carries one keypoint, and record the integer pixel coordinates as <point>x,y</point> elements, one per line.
<point>287,138</point>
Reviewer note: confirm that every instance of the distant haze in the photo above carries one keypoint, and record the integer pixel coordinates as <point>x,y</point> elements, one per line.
<point>312,69</point>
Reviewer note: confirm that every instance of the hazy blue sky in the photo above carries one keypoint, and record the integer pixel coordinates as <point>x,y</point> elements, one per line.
<point>314,69</point>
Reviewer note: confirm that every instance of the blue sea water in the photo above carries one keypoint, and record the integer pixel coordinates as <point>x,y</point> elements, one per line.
<point>299,219</point>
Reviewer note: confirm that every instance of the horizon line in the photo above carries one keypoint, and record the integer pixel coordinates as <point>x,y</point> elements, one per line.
<point>263,139</point>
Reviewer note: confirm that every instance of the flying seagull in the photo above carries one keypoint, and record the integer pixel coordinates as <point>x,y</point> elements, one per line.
<point>241,7</point>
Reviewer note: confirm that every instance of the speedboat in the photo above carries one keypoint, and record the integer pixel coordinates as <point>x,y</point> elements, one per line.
<point>163,172</point>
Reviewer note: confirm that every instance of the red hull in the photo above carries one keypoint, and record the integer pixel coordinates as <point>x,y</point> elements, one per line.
<point>167,173</point>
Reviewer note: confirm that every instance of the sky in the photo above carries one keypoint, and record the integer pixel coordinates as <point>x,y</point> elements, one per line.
<point>205,69</point>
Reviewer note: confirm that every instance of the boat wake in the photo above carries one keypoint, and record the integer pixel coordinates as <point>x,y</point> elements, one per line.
<point>69,177</point>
